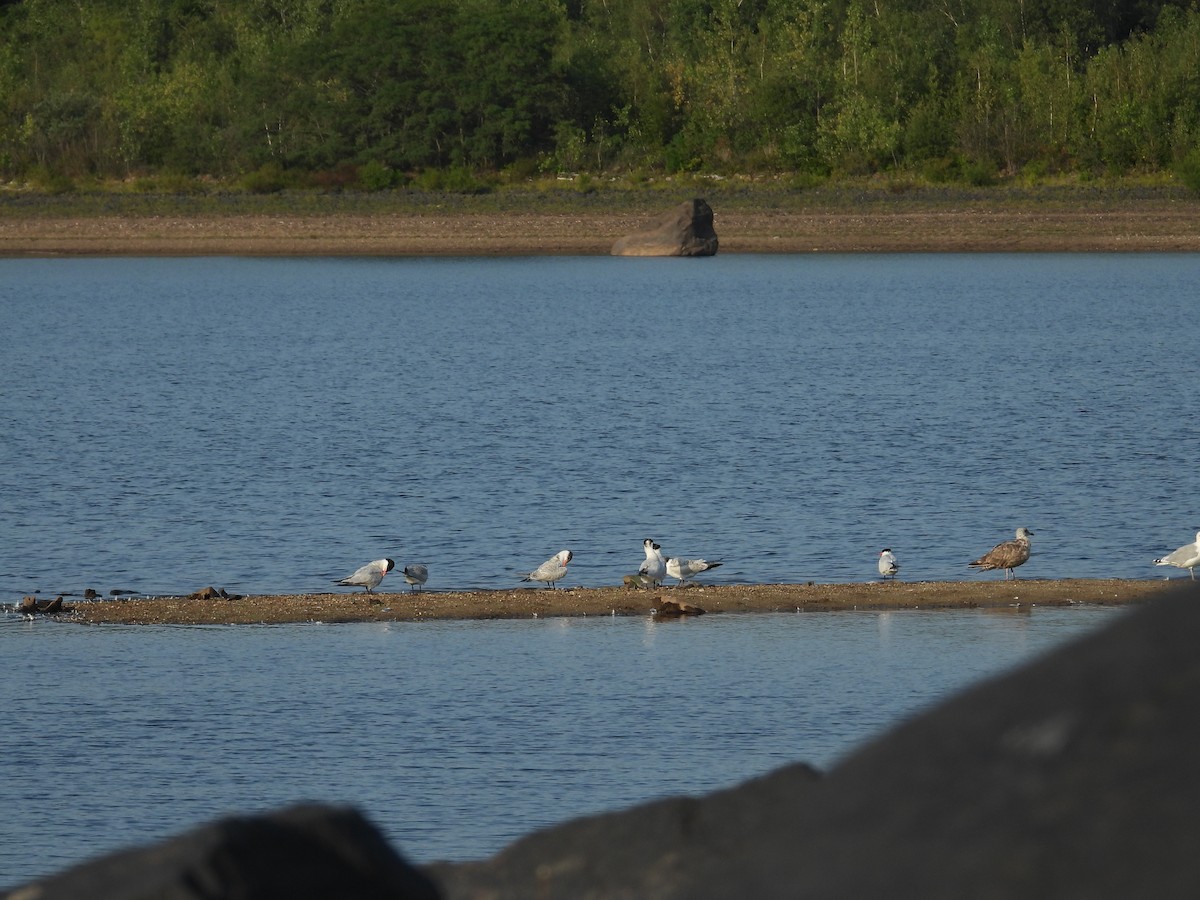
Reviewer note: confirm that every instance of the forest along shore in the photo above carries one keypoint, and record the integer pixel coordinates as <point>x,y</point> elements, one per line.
<point>1161,222</point>
<point>1017,596</point>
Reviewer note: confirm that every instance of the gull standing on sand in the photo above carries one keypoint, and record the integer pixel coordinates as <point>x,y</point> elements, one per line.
<point>888,567</point>
<point>1186,557</point>
<point>683,569</point>
<point>369,575</point>
<point>552,569</point>
<point>415,575</point>
<point>654,569</point>
<point>1006,555</point>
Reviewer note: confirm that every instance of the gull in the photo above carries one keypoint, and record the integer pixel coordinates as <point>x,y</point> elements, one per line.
<point>552,569</point>
<point>888,567</point>
<point>369,575</point>
<point>1186,557</point>
<point>416,575</point>
<point>683,569</point>
<point>655,567</point>
<point>1006,555</point>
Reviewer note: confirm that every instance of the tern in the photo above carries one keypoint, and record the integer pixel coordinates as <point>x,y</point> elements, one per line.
<point>1006,555</point>
<point>1186,557</point>
<point>552,569</point>
<point>369,575</point>
<point>416,575</point>
<point>888,567</point>
<point>684,569</point>
<point>654,569</point>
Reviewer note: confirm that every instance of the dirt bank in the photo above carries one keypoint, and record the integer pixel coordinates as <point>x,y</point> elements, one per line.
<point>1161,226</point>
<point>541,602</point>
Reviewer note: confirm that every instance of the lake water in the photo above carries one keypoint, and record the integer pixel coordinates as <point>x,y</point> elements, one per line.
<point>453,737</point>
<point>269,425</point>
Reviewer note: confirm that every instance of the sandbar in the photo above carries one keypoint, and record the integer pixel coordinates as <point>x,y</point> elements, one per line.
<point>1016,596</point>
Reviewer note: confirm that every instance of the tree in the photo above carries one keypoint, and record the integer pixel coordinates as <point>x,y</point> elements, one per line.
<point>861,134</point>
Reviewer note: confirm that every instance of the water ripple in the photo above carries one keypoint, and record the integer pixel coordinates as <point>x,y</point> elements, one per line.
<point>267,425</point>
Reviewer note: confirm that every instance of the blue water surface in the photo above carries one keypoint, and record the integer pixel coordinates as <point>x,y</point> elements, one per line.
<point>454,738</point>
<point>268,425</point>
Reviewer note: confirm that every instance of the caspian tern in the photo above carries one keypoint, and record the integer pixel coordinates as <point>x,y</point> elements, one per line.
<point>552,569</point>
<point>416,575</point>
<point>369,575</point>
<point>1186,557</point>
<point>654,569</point>
<point>1006,555</point>
<point>683,569</point>
<point>888,567</point>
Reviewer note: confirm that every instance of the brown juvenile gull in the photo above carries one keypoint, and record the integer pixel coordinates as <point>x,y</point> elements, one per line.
<point>1186,557</point>
<point>1007,555</point>
<point>552,569</point>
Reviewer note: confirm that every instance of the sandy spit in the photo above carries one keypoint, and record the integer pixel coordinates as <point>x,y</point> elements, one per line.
<point>1019,595</point>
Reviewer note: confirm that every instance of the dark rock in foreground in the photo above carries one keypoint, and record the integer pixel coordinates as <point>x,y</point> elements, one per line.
<point>685,231</point>
<point>1072,778</point>
<point>302,853</point>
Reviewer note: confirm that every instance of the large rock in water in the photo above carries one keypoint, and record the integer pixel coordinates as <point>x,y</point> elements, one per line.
<point>1073,778</point>
<point>685,231</point>
<point>302,853</point>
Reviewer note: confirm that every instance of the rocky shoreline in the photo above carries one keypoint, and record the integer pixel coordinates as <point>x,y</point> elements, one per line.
<point>211,607</point>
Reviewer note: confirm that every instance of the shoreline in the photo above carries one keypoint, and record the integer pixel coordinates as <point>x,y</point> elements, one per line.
<point>870,224</point>
<point>1018,595</point>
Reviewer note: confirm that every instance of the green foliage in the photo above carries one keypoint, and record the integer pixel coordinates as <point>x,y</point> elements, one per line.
<point>860,135</point>
<point>169,183</point>
<point>419,83</point>
<point>375,94</point>
<point>942,170</point>
<point>51,182</point>
<point>978,173</point>
<point>1187,170</point>
<point>375,176</point>
<point>454,180</point>
<point>684,153</point>
<point>269,178</point>
<point>924,135</point>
